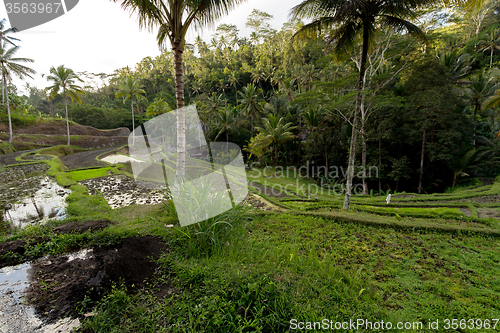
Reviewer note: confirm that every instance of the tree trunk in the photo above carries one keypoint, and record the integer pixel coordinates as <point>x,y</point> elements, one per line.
<point>181,116</point>
<point>275,156</point>
<point>8,110</point>
<point>67,118</point>
<point>133,120</point>
<point>251,132</point>
<point>354,136</point>
<point>364,149</point>
<point>326,160</point>
<point>491,56</point>
<point>363,162</point>
<point>476,107</point>
<point>379,164</point>
<point>421,163</point>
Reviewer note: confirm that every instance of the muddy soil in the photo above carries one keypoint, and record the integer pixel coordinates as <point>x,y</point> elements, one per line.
<point>121,191</point>
<point>488,212</point>
<point>58,284</point>
<point>14,185</point>
<point>19,247</point>
<point>85,159</point>
<point>483,200</point>
<point>256,203</point>
<point>466,211</point>
<point>9,159</point>
<point>269,191</point>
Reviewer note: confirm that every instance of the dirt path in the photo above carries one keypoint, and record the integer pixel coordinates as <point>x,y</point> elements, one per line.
<point>86,159</point>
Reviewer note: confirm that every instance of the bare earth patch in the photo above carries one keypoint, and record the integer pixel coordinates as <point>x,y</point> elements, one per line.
<point>59,283</point>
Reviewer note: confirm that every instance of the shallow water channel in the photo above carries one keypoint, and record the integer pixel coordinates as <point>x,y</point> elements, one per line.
<point>15,314</point>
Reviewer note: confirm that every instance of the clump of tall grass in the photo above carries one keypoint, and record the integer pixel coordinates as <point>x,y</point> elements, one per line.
<point>210,235</point>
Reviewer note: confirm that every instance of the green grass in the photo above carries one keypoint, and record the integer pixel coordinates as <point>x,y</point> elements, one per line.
<point>78,175</point>
<point>309,268</point>
<point>60,150</point>
<point>6,148</point>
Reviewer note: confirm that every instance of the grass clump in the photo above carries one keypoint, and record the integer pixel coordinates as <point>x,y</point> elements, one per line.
<point>80,203</point>
<point>6,148</point>
<point>60,151</point>
<point>208,236</point>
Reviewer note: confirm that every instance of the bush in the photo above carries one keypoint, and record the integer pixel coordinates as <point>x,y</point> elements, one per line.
<point>209,236</point>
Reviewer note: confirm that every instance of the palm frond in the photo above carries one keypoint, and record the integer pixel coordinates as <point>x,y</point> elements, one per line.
<point>398,24</point>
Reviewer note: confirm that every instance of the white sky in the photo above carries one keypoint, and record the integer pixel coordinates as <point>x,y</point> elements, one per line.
<point>98,36</point>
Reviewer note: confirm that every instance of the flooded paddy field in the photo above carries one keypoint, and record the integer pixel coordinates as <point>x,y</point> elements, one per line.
<point>28,196</point>
<point>121,191</point>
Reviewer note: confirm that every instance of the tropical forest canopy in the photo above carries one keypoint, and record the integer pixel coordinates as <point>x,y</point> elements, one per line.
<point>430,110</point>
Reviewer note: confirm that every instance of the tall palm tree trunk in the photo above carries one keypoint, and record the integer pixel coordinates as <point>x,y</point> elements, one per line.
<point>379,163</point>
<point>8,110</point>
<point>275,156</point>
<point>251,132</point>
<point>422,163</point>
<point>363,160</point>
<point>476,108</point>
<point>491,56</point>
<point>354,136</point>
<point>133,120</point>
<point>181,116</point>
<point>363,145</point>
<point>67,118</point>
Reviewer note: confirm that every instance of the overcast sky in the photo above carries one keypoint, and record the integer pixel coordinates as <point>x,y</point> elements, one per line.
<point>98,36</point>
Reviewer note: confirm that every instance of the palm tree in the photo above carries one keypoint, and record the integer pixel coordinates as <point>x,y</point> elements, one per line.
<point>274,132</point>
<point>345,19</point>
<point>226,121</point>
<point>481,86</point>
<point>258,76</point>
<point>251,103</point>
<point>492,101</point>
<point>197,87</point>
<point>491,44</point>
<point>3,37</point>
<point>174,18</point>
<point>158,107</point>
<point>130,88</point>
<point>254,38</point>
<point>287,89</point>
<point>457,65</point>
<point>214,103</point>
<point>10,65</point>
<point>64,79</point>
<point>308,74</point>
<point>234,80</point>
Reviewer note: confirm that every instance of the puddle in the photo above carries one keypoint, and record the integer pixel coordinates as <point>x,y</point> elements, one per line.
<point>47,202</point>
<point>13,281</point>
<point>121,191</point>
<point>15,314</point>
